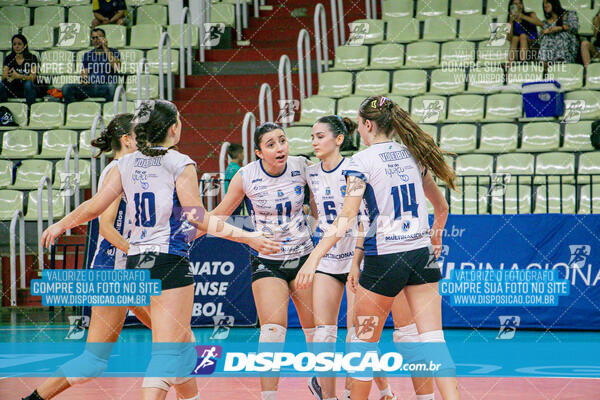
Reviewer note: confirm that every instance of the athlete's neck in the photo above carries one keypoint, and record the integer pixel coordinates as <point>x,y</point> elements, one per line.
<point>119,154</point>
<point>272,170</point>
<point>169,142</point>
<point>332,161</point>
<point>380,138</point>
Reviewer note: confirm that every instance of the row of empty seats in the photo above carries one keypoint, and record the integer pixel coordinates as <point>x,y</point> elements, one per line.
<point>12,200</point>
<point>30,172</point>
<point>72,3</point>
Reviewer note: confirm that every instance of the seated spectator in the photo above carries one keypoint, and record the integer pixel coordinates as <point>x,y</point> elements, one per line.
<point>589,50</point>
<point>20,72</point>
<point>523,31</point>
<point>109,12</point>
<point>559,41</point>
<point>98,72</point>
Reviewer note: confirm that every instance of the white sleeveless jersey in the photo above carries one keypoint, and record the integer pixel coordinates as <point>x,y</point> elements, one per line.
<point>107,255</point>
<point>328,189</point>
<point>394,197</point>
<point>152,203</point>
<point>275,204</point>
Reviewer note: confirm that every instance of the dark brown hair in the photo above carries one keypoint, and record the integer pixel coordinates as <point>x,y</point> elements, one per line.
<point>109,139</point>
<point>153,118</point>
<point>340,126</point>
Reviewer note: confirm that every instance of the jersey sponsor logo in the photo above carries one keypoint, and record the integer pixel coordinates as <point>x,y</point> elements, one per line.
<point>406,225</point>
<point>328,191</point>
<point>311,175</point>
<point>295,173</point>
<point>261,203</point>
<point>343,190</point>
<point>259,187</point>
<point>298,189</point>
<point>148,162</point>
<point>279,193</point>
<point>256,180</point>
<point>394,155</point>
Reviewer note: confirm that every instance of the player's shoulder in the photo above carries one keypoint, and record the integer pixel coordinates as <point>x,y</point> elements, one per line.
<point>299,161</point>
<point>313,168</point>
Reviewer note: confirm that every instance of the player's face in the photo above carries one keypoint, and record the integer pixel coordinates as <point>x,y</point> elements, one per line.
<point>364,129</point>
<point>324,142</point>
<point>128,142</point>
<point>274,148</point>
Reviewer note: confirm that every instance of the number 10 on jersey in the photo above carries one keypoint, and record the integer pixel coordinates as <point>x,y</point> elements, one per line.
<point>145,209</point>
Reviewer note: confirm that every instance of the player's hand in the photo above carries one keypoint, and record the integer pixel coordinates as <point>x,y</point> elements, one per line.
<point>436,242</point>
<point>307,273</point>
<point>353,276</point>
<point>264,245</point>
<point>50,235</point>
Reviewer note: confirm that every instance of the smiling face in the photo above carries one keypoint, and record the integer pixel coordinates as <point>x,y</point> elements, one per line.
<point>324,141</point>
<point>273,148</point>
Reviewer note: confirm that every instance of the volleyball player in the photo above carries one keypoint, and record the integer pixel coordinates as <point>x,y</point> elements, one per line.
<point>158,181</point>
<point>273,187</point>
<point>395,180</point>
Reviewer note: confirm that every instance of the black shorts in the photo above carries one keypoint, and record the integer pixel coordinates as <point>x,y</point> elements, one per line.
<point>172,270</point>
<point>282,269</point>
<point>340,277</point>
<point>388,274</point>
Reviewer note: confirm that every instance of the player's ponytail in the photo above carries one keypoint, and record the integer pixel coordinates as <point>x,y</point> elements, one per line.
<point>153,119</point>
<point>340,126</point>
<point>110,138</point>
<point>395,122</point>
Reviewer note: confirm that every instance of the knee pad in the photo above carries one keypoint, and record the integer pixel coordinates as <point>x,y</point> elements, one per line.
<point>172,362</point>
<point>432,336</point>
<point>158,383</point>
<point>90,364</point>
<point>437,352</point>
<point>358,345</point>
<point>407,342</point>
<point>326,334</point>
<point>309,333</point>
<point>407,334</point>
<point>196,397</point>
<point>351,332</point>
<point>272,333</point>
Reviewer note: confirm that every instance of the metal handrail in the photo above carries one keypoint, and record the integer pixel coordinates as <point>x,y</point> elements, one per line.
<point>161,84</point>
<point>204,20</point>
<point>371,8</point>
<point>182,48</point>
<point>206,180</point>
<point>256,8</point>
<point>249,118</point>
<point>222,157</point>
<point>285,88</point>
<point>238,20</point>
<point>17,216</point>
<point>44,181</point>
<point>143,65</point>
<point>337,23</point>
<point>321,50</point>
<point>97,121</point>
<point>245,13</point>
<point>265,90</point>
<point>304,62</point>
<point>72,149</point>
<point>122,96</point>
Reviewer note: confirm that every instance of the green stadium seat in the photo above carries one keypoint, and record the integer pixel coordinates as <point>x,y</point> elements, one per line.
<point>428,108</point>
<point>19,143</point>
<point>422,55</point>
<point>511,199</point>
<point>386,56</point>
<point>402,101</point>
<point>555,164</point>
<point>299,140</point>
<point>56,142</point>
<point>57,62</point>
<point>591,105</point>
<point>81,39</point>
<point>30,172</point>
<point>409,82</point>
<point>47,115</point>
<point>577,136</point>
<point>6,170</point>
<point>498,138</point>
<point>80,115</point>
<point>222,13</point>
<point>58,206</point>
<point>486,79</point>
<point>504,107</point>
<point>72,3</point>
<point>516,164</point>
<point>174,32</point>
<point>497,8</point>
<point>557,199</point>
<point>458,54</point>
<point>116,35</point>
<point>314,108</point>
<point>335,84</point>
<point>458,138</point>
<point>586,17</point>
<point>4,3</point>
<point>348,106</point>
<point>39,3</point>
<point>592,78</point>
<point>524,73</point>
<point>431,8</point>
<point>431,129</point>
<point>374,31</point>
<point>589,164</point>
<point>474,27</point>
<point>86,150</point>
<point>108,110</point>
<point>473,200</point>
<point>402,30</point>
<point>131,87</point>
<point>81,14</point>
<point>137,3</point>
<point>84,173</point>
<point>19,112</point>
<point>351,58</point>
<point>393,9</point>
<point>130,59</point>
<point>372,83</point>
<point>6,33</point>
<point>40,37</point>
<point>466,7</point>
<point>145,36</point>
<point>14,16</point>
<point>540,136</point>
<point>439,29</point>
<point>152,14</point>
<point>474,164</point>
<point>153,62</point>
<point>535,6</point>
<point>570,76</point>
<point>10,201</point>
<point>492,55</point>
<point>589,199</point>
<point>447,81</point>
<point>465,107</point>
<point>577,5</point>
<point>49,15</point>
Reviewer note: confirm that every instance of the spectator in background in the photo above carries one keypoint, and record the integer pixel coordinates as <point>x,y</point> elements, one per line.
<point>589,50</point>
<point>559,41</point>
<point>20,72</point>
<point>109,12</point>
<point>99,71</point>
<point>523,31</point>
<point>236,153</point>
